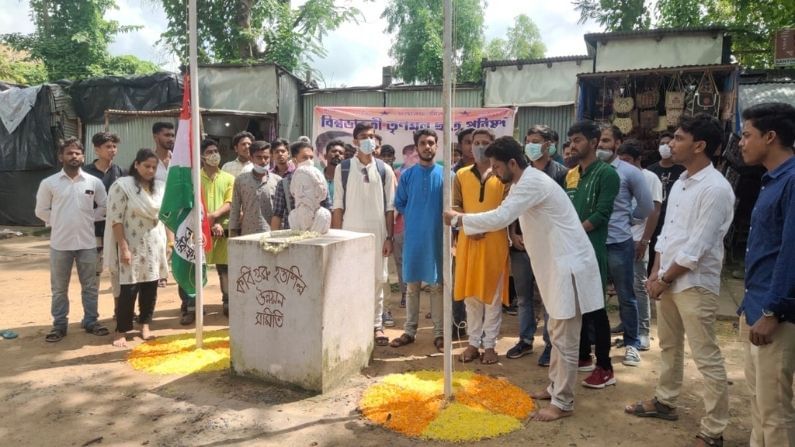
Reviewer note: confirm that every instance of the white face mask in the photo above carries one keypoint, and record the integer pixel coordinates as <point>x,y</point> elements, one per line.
<point>604,154</point>
<point>534,151</point>
<point>665,151</point>
<point>260,170</point>
<point>367,146</point>
<point>308,162</point>
<point>479,153</point>
<point>213,159</point>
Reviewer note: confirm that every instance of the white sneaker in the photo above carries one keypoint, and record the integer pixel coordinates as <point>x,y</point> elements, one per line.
<point>631,356</point>
<point>645,343</point>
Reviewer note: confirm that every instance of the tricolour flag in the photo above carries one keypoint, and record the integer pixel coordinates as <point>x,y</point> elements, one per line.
<point>177,207</point>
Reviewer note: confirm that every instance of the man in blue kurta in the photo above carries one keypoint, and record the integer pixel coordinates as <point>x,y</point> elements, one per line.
<point>419,200</point>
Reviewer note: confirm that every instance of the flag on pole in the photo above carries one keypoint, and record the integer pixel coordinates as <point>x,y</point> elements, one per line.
<point>175,212</point>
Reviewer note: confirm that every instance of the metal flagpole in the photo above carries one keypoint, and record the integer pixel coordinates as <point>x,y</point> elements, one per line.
<point>447,106</point>
<point>195,139</point>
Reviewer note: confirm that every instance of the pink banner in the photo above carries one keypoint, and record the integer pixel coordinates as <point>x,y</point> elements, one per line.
<point>396,125</point>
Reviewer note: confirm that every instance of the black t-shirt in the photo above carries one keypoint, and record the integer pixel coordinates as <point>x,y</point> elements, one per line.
<point>113,173</point>
<point>668,176</point>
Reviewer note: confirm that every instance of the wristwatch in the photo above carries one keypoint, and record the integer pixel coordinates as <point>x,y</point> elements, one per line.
<point>390,238</point>
<point>769,313</point>
<point>661,279</point>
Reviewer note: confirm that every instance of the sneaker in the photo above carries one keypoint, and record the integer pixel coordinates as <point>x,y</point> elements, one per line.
<point>618,342</point>
<point>617,329</point>
<point>188,318</point>
<point>512,310</point>
<point>599,379</point>
<point>645,343</point>
<point>545,357</point>
<point>585,365</point>
<point>403,300</point>
<point>631,356</point>
<point>386,317</point>
<point>521,349</point>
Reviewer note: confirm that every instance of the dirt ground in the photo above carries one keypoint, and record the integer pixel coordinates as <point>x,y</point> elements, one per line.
<point>81,391</point>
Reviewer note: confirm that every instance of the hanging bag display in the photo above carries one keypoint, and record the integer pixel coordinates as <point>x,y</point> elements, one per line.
<point>622,100</point>
<point>675,94</point>
<point>706,98</point>
<point>649,97</point>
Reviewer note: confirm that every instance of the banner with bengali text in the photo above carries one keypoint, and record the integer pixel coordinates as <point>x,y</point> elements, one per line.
<point>396,125</point>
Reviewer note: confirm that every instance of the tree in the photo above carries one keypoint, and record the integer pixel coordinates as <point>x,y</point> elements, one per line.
<point>235,31</point>
<point>523,41</point>
<point>71,37</point>
<point>129,65</point>
<point>615,15</point>
<point>417,47</point>
<point>16,68</point>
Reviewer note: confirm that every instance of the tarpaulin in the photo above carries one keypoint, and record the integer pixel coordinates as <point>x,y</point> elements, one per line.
<point>92,97</point>
<point>31,146</point>
<point>18,196</point>
<point>15,104</point>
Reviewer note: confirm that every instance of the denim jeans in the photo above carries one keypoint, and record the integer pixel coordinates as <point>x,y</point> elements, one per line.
<point>621,268</point>
<point>413,308</point>
<point>523,282</point>
<point>60,272</point>
<point>644,308</point>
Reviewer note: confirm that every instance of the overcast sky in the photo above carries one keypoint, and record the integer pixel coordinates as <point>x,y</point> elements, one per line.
<point>356,52</point>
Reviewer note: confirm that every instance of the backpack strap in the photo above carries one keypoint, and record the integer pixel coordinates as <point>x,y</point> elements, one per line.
<point>381,167</point>
<point>288,199</point>
<point>345,170</point>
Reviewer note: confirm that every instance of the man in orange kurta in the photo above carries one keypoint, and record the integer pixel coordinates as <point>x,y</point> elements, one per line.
<point>481,271</point>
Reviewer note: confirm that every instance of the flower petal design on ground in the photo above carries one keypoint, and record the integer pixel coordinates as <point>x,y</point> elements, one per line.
<point>177,354</point>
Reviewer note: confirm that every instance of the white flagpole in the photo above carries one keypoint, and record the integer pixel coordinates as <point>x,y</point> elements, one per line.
<point>195,139</point>
<point>447,106</point>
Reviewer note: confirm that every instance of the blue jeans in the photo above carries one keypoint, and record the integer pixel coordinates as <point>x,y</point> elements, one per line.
<point>523,277</point>
<point>60,272</point>
<point>644,306</point>
<point>621,269</point>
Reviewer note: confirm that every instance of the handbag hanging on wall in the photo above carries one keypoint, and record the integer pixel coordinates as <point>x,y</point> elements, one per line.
<point>706,98</point>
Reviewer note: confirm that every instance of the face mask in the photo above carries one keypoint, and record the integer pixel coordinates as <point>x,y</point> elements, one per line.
<point>604,154</point>
<point>552,149</point>
<point>479,153</point>
<point>260,170</point>
<point>367,146</point>
<point>533,151</point>
<point>306,163</point>
<point>665,151</point>
<point>213,159</point>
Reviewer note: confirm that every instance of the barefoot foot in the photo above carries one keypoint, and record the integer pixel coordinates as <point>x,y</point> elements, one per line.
<point>146,333</point>
<point>541,395</point>
<point>551,413</point>
<point>120,342</point>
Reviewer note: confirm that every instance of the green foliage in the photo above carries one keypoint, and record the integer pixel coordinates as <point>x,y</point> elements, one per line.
<point>418,46</point>
<point>236,31</point>
<point>17,69</point>
<point>523,41</point>
<point>615,15</point>
<point>497,50</point>
<point>129,65</point>
<point>71,39</point>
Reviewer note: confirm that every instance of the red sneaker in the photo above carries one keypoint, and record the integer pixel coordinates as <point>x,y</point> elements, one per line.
<point>585,365</point>
<point>599,379</point>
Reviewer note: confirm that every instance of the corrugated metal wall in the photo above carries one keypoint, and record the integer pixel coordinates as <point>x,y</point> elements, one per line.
<point>290,118</point>
<point>134,132</point>
<point>433,98</point>
<point>558,118</point>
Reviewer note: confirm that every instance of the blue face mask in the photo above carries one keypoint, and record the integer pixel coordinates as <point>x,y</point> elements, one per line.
<point>479,153</point>
<point>367,146</point>
<point>552,149</point>
<point>533,151</point>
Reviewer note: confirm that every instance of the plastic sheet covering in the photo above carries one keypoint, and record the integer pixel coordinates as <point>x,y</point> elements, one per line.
<point>92,97</point>
<point>670,51</point>
<point>31,146</point>
<point>15,104</point>
<point>535,85</point>
<point>18,196</point>
<point>242,88</point>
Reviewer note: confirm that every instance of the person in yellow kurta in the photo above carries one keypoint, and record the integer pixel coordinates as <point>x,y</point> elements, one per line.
<point>481,270</point>
<point>217,187</point>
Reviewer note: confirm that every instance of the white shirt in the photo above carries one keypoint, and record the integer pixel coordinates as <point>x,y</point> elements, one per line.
<point>67,206</point>
<point>162,171</point>
<point>561,256</point>
<point>235,167</point>
<point>655,186</point>
<point>700,210</point>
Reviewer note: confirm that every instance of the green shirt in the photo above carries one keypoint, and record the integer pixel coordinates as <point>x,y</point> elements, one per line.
<point>593,193</point>
<point>216,192</point>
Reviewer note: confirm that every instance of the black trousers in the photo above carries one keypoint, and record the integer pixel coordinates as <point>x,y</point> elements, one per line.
<point>125,311</point>
<point>601,325</point>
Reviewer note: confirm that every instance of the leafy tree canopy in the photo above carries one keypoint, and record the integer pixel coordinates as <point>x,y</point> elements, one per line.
<point>523,41</point>
<point>16,68</point>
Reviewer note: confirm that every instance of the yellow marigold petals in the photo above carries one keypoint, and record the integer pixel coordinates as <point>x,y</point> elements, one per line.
<point>177,354</point>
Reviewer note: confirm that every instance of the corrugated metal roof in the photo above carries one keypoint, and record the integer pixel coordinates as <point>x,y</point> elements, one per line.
<point>134,132</point>
<point>546,60</point>
<point>591,38</point>
<point>640,71</point>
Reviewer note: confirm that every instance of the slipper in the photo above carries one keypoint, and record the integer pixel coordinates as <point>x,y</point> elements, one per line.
<point>9,334</point>
<point>98,329</point>
<point>470,354</point>
<point>381,340</point>
<point>403,340</point>
<point>55,335</point>
<point>660,411</point>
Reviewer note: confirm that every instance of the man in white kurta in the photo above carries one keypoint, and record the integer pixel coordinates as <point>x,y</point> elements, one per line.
<point>562,259</point>
<point>365,204</point>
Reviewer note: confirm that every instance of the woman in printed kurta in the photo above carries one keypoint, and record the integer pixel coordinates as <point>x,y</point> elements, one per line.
<point>136,242</point>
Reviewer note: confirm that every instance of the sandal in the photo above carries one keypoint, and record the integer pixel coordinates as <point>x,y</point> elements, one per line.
<point>403,340</point>
<point>8,334</point>
<point>438,342</point>
<point>381,340</point>
<point>660,411</point>
<point>489,357</point>
<point>710,442</point>
<point>55,335</point>
<point>470,353</point>
<point>98,329</point>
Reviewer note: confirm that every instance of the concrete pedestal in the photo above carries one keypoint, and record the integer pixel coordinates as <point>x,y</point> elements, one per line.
<point>304,316</point>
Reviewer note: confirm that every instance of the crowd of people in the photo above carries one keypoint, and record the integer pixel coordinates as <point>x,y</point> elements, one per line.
<point>571,220</point>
